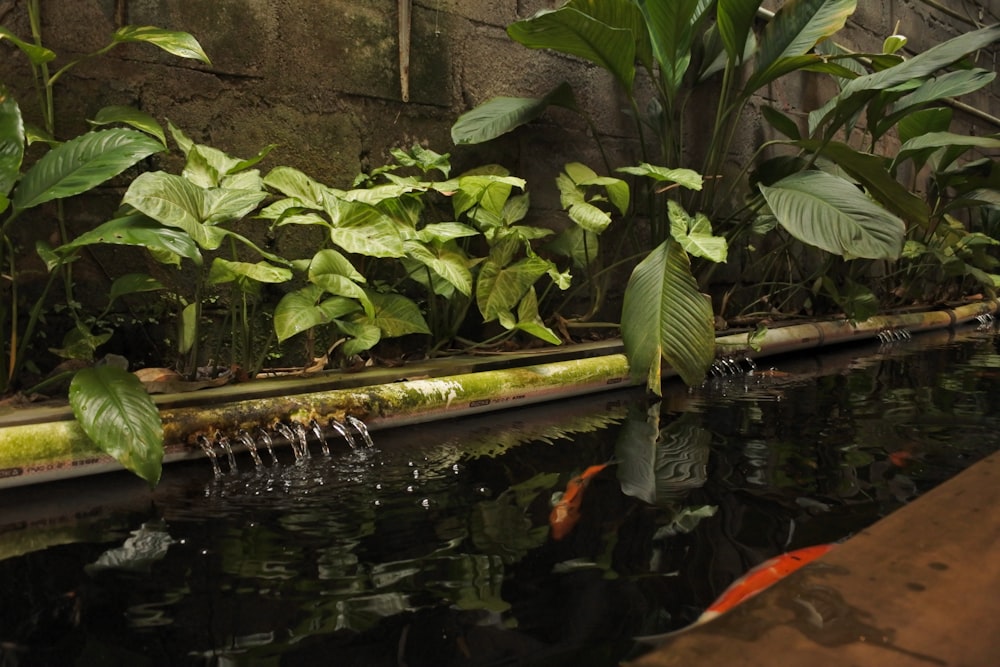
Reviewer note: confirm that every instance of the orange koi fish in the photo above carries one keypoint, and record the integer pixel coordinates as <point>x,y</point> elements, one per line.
<point>566,512</point>
<point>762,577</point>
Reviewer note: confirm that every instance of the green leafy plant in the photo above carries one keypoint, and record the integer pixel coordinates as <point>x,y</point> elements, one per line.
<point>108,407</point>
<point>183,217</point>
<point>900,99</point>
<point>684,46</point>
<point>407,237</point>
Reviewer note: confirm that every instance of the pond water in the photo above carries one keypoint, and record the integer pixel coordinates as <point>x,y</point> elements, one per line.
<point>439,546</point>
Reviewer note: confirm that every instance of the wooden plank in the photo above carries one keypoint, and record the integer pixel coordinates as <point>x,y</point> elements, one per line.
<point>920,587</point>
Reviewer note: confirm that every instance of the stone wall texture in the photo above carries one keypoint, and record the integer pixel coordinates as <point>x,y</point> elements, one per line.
<point>321,79</point>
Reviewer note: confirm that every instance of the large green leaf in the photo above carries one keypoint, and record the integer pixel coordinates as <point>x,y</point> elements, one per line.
<point>671,32</point>
<point>297,185</point>
<point>488,191</point>
<point>179,44</point>
<point>528,319</point>
<point>306,308</point>
<point>138,230</point>
<point>944,140</point>
<point>363,229</point>
<point>222,205</point>
<point>795,29</point>
<point>857,92</point>
<point>118,415</point>
<point>11,141</point>
<point>571,31</point>
<point>948,85</point>
<point>500,115</point>
<point>83,163</point>
<point>37,54</point>
<point>225,271</point>
<point>735,21</point>
<point>364,336</point>
<point>500,288</point>
<point>831,213</point>
<point>445,261</point>
<point>133,283</point>
<point>396,315</point>
<point>331,261</point>
<point>872,171</point>
<point>140,120</point>
<point>175,202</point>
<point>576,243</point>
<point>695,234</point>
<point>687,178</point>
<point>665,317</point>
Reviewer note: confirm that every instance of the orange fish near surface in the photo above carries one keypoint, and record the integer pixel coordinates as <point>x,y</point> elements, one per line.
<point>761,577</point>
<point>566,512</point>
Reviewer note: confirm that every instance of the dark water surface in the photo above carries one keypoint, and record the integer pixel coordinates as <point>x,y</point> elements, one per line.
<point>435,547</point>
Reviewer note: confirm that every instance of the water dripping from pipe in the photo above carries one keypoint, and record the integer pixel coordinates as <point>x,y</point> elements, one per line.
<point>361,428</point>
<point>209,450</point>
<point>227,448</point>
<point>342,430</point>
<point>286,431</point>
<point>244,436</point>
<point>302,436</point>
<point>318,432</point>
<point>266,440</point>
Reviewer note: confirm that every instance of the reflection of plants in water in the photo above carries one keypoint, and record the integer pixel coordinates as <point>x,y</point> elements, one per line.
<point>502,526</point>
<point>660,465</point>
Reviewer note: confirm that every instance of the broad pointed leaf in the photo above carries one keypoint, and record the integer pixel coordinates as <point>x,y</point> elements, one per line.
<point>687,178</point>
<point>306,308</point>
<point>331,261</point>
<point>11,141</point>
<point>735,21</point>
<point>225,271</point>
<point>81,164</point>
<point>873,172</point>
<point>571,31</point>
<point>795,29</point>
<point>179,44</point>
<point>396,315</point>
<point>831,213</point>
<point>671,27</point>
<point>576,243</point>
<point>364,336</point>
<point>500,288</point>
<point>948,85</point>
<point>445,262</point>
<point>118,415</point>
<point>945,140</point>
<point>175,202</point>
<point>666,318</point>
<point>133,283</point>
<point>488,191</point>
<point>500,115</point>
<point>856,92</point>
<point>529,321</point>
<point>363,229</point>
<point>38,55</point>
<point>297,185</point>
<point>140,120</point>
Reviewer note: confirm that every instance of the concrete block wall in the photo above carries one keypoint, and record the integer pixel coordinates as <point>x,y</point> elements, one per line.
<point>321,79</point>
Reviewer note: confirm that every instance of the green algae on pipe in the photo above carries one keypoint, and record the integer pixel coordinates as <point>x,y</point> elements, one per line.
<point>40,452</point>
<point>56,449</point>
